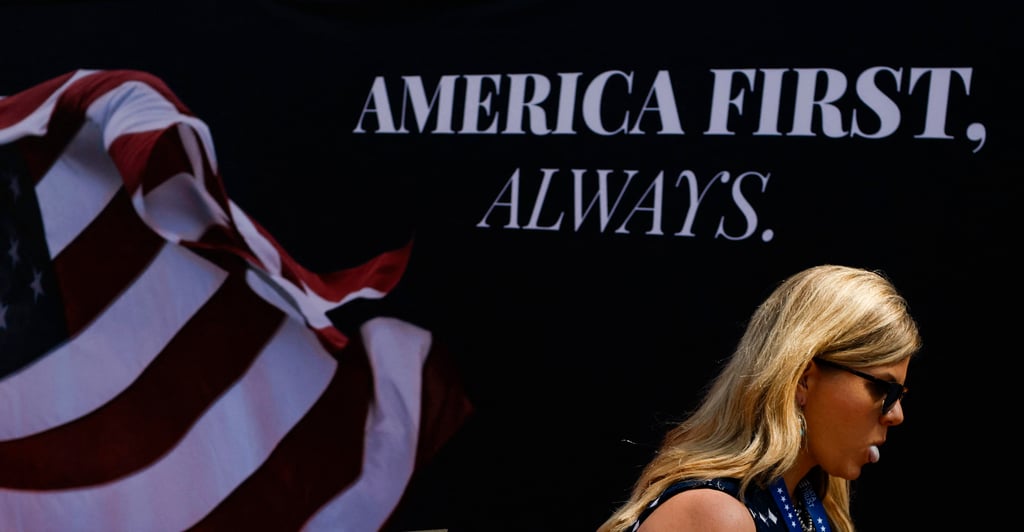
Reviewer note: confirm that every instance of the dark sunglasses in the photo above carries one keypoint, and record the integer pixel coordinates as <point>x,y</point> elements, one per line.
<point>893,390</point>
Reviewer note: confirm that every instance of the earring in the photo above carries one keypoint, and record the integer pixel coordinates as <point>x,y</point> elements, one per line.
<point>803,424</point>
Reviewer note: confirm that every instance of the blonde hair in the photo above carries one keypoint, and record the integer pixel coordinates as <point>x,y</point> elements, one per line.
<point>747,427</point>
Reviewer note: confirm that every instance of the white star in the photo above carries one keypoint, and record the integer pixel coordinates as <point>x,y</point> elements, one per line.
<point>3,316</point>
<point>13,251</point>
<point>37,283</point>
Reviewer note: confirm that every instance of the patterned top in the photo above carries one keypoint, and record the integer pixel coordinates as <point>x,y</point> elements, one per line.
<point>766,514</point>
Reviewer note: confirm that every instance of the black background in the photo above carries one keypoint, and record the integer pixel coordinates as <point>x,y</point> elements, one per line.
<point>578,348</point>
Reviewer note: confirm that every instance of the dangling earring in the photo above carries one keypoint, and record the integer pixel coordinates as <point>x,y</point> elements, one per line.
<point>801,400</point>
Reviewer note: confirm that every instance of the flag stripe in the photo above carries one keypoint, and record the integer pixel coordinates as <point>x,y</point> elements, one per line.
<point>321,455</point>
<point>147,418</point>
<point>397,351</point>
<point>340,446</point>
<point>226,445</point>
<point>76,188</point>
<point>28,114</point>
<point>106,357</point>
<point>100,264</point>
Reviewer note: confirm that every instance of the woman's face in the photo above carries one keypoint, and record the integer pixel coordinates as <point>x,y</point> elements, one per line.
<point>845,422</point>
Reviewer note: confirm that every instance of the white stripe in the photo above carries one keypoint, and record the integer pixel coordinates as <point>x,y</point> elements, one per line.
<point>135,107</point>
<point>108,355</point>
<point>35,124</point>
<point>227,444</point>
<point>179,210</point>
<point>264,250</point>
<point>76,188</point>
<point>397,351</point>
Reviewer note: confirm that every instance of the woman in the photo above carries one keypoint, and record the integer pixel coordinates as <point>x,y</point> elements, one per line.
<point>804,402</point>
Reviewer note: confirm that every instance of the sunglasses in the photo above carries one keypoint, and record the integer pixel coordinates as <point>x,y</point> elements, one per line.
<point>893,391</point>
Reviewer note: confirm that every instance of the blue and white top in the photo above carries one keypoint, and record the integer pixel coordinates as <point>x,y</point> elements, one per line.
<point>771,509</point>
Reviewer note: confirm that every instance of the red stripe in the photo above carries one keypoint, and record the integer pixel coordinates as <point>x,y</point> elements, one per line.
<point>320,456</point>
<point>323,455</point>
<point>18,106</point>
<point>444,410</point>
<point>80,95</point>
<point>69,111</point>
<point>381,272</point>
<point>445,406</point>
<point>103,261</point>
<point>39,153</point>
<point>145,421</point>
<point>149,158</point>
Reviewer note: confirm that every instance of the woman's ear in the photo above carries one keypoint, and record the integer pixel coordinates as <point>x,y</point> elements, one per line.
<point>801,387</point>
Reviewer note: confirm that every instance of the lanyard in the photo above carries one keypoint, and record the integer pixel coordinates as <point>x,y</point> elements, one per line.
<point>810,500</point>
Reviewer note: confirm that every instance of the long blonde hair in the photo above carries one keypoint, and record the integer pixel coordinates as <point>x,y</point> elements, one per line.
<point>747,427</point>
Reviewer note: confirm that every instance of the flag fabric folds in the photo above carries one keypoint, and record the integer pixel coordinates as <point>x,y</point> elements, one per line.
<point>165,364</point>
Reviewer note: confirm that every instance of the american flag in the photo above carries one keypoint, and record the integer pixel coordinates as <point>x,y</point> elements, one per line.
<point>164,363</point>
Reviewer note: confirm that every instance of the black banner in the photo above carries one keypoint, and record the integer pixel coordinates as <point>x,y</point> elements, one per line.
<point>599,194</point>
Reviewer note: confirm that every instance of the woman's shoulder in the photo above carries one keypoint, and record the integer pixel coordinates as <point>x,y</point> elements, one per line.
<point>706,505</point>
